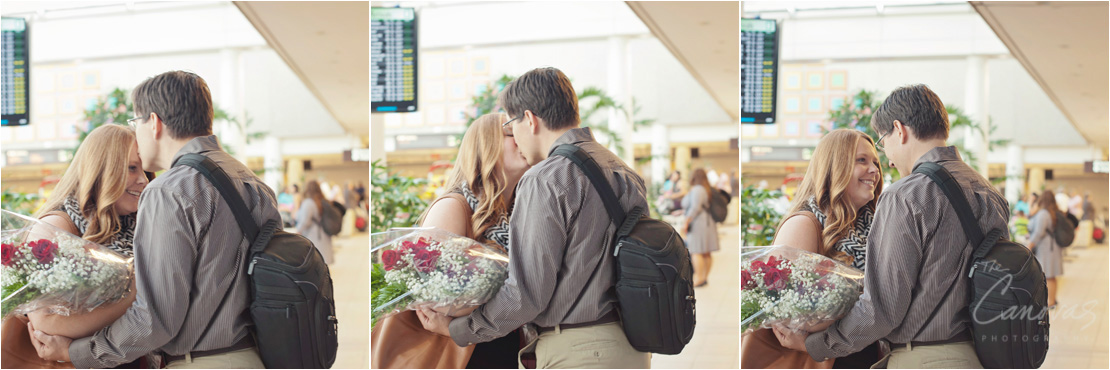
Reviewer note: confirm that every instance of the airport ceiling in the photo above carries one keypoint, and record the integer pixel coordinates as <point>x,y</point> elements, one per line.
<point>1063,45</point>
<point>327,44</point>
<point>705,38</point>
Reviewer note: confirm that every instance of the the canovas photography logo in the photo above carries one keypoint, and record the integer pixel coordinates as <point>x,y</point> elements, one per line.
<point>986,312</point>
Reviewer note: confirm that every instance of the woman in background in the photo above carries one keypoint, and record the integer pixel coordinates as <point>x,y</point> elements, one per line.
<point>701,229</point>
<point>310,218</point>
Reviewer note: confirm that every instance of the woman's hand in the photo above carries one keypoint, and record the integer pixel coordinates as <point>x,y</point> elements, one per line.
<point>49,347</point>
<point>455,311</point>
<point>435,322</point>
<point>795,340</point>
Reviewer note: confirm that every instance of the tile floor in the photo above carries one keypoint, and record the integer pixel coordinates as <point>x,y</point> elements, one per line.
<point>716,343</point>
<point>1078,337</point>
<point>350,275</point>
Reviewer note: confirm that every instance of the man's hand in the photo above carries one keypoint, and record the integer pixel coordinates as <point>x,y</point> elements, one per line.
<point>795,340</point>
<point>50,347</point>
<point>435,322</point>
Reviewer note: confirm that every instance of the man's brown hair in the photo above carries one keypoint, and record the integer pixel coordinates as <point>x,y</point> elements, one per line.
<point>546,92</point>
<point>181,99</point>
<point>918,108</point>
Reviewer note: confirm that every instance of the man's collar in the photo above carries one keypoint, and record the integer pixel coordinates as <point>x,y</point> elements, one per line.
<point>573,136</point>
<point>939,154</point>
<point>199,144</point>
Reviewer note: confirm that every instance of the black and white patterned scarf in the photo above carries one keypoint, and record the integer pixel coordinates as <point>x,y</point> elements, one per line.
<point>855,244</point>
<point>499,232</point>
<point>122,243</point>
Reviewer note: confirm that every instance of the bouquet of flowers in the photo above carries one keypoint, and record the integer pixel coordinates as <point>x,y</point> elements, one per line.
<point>43,267</point>
<point>432,268</point>
<point>792,288</point>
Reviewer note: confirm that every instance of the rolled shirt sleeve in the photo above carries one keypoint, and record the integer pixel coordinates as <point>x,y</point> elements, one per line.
<point>538,239</point>
<point>894,253</point>
<point>163,283</point>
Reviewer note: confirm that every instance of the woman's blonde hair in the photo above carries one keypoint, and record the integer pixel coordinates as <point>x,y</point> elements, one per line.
<point>478,164</point>
<point>97,177</point>
<point>827,178</point>
<point>312,191</point>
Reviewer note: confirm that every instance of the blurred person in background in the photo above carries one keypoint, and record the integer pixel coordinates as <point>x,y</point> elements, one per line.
<point>700,228</point>
<point>310,218</point>
<point>1043,244</point>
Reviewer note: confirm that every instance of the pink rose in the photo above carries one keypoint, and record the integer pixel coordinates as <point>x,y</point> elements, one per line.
<point>43,250</point>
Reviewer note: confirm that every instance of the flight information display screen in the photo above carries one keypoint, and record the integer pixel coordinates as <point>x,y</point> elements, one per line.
<point>393,59</point>
<point>759,68</point>
<point>15,97</point>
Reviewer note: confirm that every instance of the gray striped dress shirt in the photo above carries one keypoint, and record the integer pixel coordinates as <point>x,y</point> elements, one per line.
<point>189,255</point>
<point>915,250</point>
<point>559,232</point>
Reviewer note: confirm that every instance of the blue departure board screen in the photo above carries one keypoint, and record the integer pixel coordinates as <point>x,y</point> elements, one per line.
<point>393,54</point>
<point>759,70</point>
<point>15,97</point>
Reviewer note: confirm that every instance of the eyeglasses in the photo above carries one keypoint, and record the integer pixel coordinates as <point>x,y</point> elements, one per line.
<point>505,128</point>
<point>879,143</point>
<point>131,122</point>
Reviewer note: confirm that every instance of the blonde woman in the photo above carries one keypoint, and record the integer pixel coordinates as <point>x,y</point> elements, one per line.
<point>96,199</point>
<point>701,229</point>
<point>310,218</point>
<point>477,205</point>
<point>831,215</point>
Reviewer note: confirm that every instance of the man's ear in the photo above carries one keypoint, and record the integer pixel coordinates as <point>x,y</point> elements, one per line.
<point>534,122</point>
<point>903,133</point>
<point>156,125</point>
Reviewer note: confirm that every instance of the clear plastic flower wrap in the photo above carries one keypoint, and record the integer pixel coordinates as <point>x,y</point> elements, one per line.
<point>432,268</point>
<point>794,289</point>
<point>44,267</point>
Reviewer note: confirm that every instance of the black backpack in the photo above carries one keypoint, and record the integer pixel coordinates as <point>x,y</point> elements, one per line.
<point>654,281</point>
<point>718,204</point>
<point>1064,230</point>
<point>332,221</point>
<point>1008,300</point>
<point>292,304</point>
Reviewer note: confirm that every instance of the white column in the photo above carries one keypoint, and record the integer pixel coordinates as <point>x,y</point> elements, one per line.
<point>976,106</point>
<point>273,164</point>
<point>377,137</point>
<point>1015,173</point>
<point>618,88</point>
<point>230,100</point>
<point>660,153</point>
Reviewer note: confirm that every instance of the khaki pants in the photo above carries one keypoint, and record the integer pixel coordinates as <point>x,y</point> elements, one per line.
<point>959,355</point>
<point>594,347</point>
<point>242,359</point>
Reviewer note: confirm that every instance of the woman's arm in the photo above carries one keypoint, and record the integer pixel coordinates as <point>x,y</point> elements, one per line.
<point>799,232</point>
<point>304,214</point>
<point>1039,226</point>
<point>697,199</point>
<point>451,215</point>
<point>84,324</point>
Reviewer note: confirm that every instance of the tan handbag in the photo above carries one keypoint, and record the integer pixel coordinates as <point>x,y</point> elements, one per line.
<point>400,342</point>
<point>16,350</point>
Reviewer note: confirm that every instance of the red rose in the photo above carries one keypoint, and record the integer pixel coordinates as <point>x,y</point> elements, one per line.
<point>773,262</point>
<point>43,250</point>
<point>825,267</point>
<point>775,279</point>
<point>759,266</point>
<point>746,279</point>
<point>391,259</point>
<point>7,254</point>
<point>425,260</point>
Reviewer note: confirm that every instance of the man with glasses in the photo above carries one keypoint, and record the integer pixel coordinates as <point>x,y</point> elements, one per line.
<point>190,269</point>
<point>558,233</point>
<point>915,250</point>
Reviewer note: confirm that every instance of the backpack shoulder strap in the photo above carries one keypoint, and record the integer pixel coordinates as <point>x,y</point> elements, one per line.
<point>222,182</point>
<point>593,172</point>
